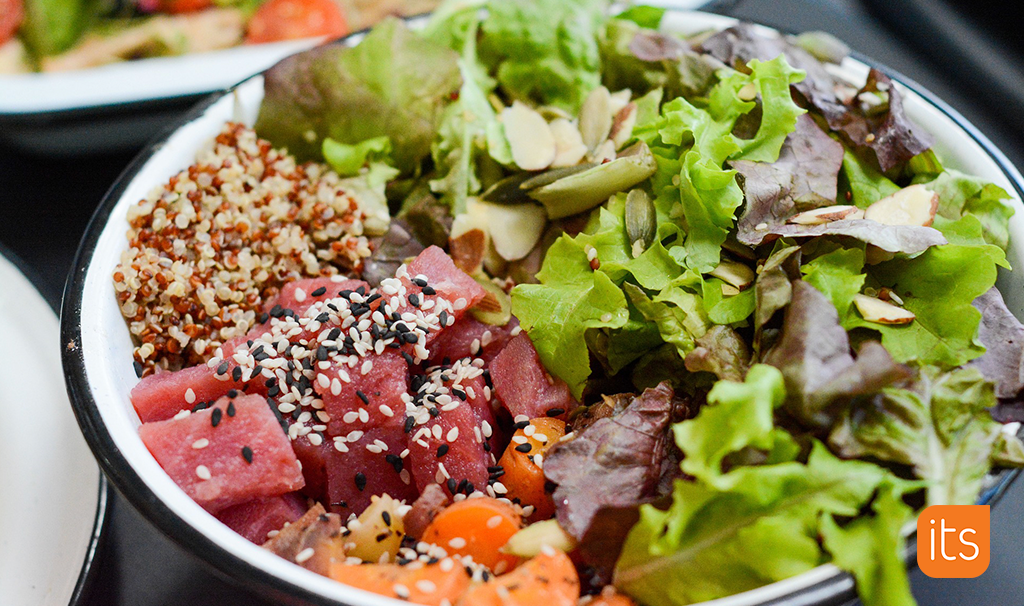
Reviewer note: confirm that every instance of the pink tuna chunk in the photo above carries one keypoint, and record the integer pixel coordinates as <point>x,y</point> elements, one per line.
<point>189,448</point>
<point>162,395</point>
<point>384,383</point>
<point>357,474</point>
<point>523,385</point>
<point>254,519</point>
<point>470,337</point>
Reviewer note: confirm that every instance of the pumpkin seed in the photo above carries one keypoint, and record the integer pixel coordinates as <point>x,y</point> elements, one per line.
<point>496,306</point>
<point>584,190</point>
<point>641,221</point>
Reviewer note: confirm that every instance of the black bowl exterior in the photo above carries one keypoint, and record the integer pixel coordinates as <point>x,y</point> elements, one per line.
<point>836,590</point>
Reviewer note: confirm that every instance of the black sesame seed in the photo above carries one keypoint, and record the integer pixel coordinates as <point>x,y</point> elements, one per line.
<point>524,447</point>
<point>409,423</point>
<point>386,517</point>
<point>320,291</point>
<point>382,536</point>
<point>362,396</point>
<point>487,378</point>
<point>462,485</point>
<point>461,394</point>
<point>521,425</point>
<point>236,374</point>
<point>321,353</point>
<point>231,409</point>
<point>276,312</point>
<point>494,468</point>
<point>223,368</point>
<point>451,485</point>
<point>555,412</point>
<point>442,318</point>
<point>419,282</point>
<point>414,300</point>
<point>138,368</point>
<point>429,290</point>
<point>408,358</point>
<point>395,461</point>
<point>264,317</point>
<point>442,450</point>
<point>360,481</point>
<point>232,393</point>
<point>274,391</point>
<point>487,446</point>
<point>247,454</point>
<point>434,412</point>
<point>469,488</point>
<point>334,334</point>
<point>215,416</point>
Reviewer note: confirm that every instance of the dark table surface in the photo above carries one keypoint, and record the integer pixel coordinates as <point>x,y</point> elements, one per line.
<point>47,203</point>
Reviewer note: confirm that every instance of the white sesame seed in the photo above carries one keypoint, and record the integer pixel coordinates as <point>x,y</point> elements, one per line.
<point>182,414</point>
<point>350,417</point>
<point>364,416</point>
<point>190,396</point>
<point>286,407</point>
<point>200,443</point>
<point>459,303</point>
<point>486,427</point>
<point>304,555</point>
<point>316,439</point>
<point>453,434</point>
<point>386,410</point>
<point>529,430</point>
<point>401,591</point>
<point>353,436</point>
<point>457,543</point>
<point>436,431</point>
<point>367,367</point>
<point>426,586</point>
<point>494,522</point>
<point>203,472</point>
<point>519,440</point>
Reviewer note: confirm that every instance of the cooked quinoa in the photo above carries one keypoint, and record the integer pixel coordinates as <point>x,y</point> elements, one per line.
<point>206,249</point>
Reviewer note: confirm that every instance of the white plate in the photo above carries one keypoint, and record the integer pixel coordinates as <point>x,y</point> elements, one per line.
<point>100,372</point>
<point>52,500</point>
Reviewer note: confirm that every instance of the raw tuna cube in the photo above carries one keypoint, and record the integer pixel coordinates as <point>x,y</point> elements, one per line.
<point>289,296</point>
<point>449,281</point>
<point>444,280</point>
<point>463,457</point>
<point>222,459</point>
<point>357,474</point>
<point>254,519</point>
<point>162,395</point>
<point>383,385</point>
<point>314,466</point>
<point>470,337</point>
<point>524,387</point>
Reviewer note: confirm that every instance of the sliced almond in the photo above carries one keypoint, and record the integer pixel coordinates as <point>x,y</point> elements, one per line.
<point>529,137</point>
<point>913,205</point>
<point>515,229</point>
<point>467,251</point>
<point>728,290</point>
<point>569,147</point>
<point>827,214</point>
<point>622,125</point>
<point>735,274</point>
<point>604,152</point>
<point>879,312</point>
<point>618,100</point>
<point>596,117</point>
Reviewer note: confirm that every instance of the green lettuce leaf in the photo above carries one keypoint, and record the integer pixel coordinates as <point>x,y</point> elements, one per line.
<point>714,434</point>
<point>778,111</point>
<point>838,275</point>
<point>722,309</point>
<point>644,16</point>
<point>347,159</point>
<point>871,548</point>
<point>961,194</point>
<point>757,525</point>
<point>866,185</point>
<point>940,426</point>
<point>939,287</point>
<point>678,314</point>
<point>393,84</point>
<point>545,51</point>
<point>556,313</point>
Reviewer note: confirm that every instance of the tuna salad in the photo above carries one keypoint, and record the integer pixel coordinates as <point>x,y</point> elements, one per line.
<point>542,304</point>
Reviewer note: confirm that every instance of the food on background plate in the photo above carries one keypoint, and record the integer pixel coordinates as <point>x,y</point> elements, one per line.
<point>61,35</point>
<point>550,306</point>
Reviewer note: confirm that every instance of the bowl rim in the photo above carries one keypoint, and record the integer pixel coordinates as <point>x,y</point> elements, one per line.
<point>833,590</point>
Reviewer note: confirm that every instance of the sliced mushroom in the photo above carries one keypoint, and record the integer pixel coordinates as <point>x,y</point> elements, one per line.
<point>912,205</point>
<point>879,312</point>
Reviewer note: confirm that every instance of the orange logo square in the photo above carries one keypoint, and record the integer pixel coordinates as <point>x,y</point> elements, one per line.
<point>953,541</point>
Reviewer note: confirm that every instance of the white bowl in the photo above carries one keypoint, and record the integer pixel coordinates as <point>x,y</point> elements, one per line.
<point>97,356</point>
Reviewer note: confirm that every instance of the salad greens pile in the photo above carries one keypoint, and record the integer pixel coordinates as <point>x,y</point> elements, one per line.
<point>774,259</point>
